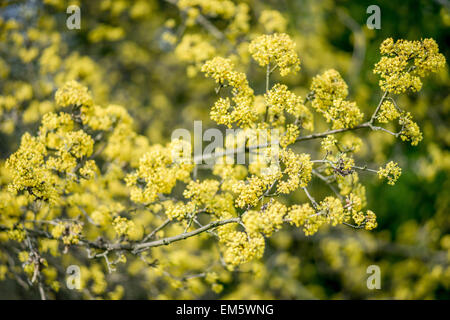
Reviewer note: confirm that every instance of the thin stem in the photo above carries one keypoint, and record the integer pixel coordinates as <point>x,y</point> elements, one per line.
<point>330,132</point>
<point>151,234</point>
<point>328,183</point>
<point>353,167</point>
<point>372,119</point>
<point>368,124</point>
<point>313,201</point>
<point>267,90</point>
<point>166,241</point>
<point>42,291</point>
<point>364,169</point>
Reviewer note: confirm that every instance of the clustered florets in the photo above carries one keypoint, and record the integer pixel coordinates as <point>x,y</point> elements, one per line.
<point>277,50</point>
<point>329,94</point>
<point>54,164</point>
<point>388,112</point>
<point>283,102</point>
<point>391,172</point>
<point>241,113</point>
<point>156,174</point>
<point>49,164</point>
<point>405,62</point>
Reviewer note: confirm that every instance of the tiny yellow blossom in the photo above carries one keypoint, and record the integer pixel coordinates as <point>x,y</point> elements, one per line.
<point>404,62</point>
<point>391,172</point>
<point>388,112</point>
<point>242,112</point>
<point>278,49</point>
<point>328,143</point>
<point>73,93</point>
<point>272,21</point>
<point>410,130</point>
<point>123,226</point>
<point>305,216</point>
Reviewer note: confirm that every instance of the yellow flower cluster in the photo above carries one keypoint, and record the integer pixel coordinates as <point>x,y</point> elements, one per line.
<point>281,100</point>
<point>70,232</point>
<point>99,118</point>
<point>332,209</point>
<point>370,220</point>
<point>237,16</point>
<point>157,173</point>
<point>328,87</point>
<point>201,192</point>
<point>277,49</point>
<point>388,112</point>
<point>242,113</point>
<point>350,184</point>
<point>123,143</point>
<point>330,92</point>
<point>391,172</point>
<point>240,247</point>
<point>297,168</point>
<point>73,94</point>
<point>102,216</point>
<point>328,143</point>
<point>89,170</point>
<point>272,21</point>
<point>343,114</point>
<point>290,136</point>
<point>220,112</point>
<point>57,133</point>
<point>17,234</point>
<point>351,143</point>
<point>179,210</point>
<point>223,8</point>
<point>58,149</point>
<point>249,191</point>
<point>404,62</point>
<point>169,37</point>
<point>267,221</point>
<point>304,215</point>
<point>123,226</point>
<point>296,173</point>
<point>229,173</point>
<point>195,50</point>
<point>104,32</point>
<point>14,94</point>
<point>7,103</point>
<point>240,24</point>
<point>354,205</point>
<point>205,195</point>
<point>344,163</point>
<point>27,172</point>
<point>410,130</point>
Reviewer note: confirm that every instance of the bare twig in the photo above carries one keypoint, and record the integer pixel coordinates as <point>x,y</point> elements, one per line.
<point>166,241</point>
<point>151,234</point>
<point>313,201</point>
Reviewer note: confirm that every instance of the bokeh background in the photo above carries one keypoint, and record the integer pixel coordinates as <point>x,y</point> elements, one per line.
<point>126,53</point>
